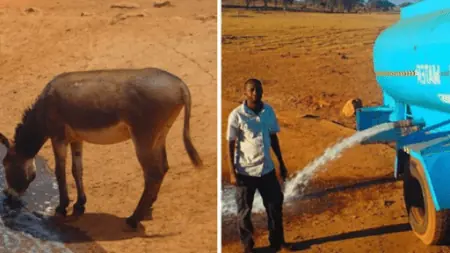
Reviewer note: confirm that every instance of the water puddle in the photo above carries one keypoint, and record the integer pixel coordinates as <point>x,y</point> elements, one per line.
<point>26,226</point>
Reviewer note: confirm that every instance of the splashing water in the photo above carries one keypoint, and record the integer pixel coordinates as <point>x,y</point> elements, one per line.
<point>26,232</point>
<point>298,183</point>
<point>295,187</point>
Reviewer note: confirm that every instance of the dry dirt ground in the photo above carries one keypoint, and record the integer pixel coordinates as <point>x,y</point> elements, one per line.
<point>40,39</point>
<point>312,63</point>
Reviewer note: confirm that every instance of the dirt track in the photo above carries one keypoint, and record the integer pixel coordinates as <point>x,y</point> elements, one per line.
<point>59,36</point>
<point>312,64</point>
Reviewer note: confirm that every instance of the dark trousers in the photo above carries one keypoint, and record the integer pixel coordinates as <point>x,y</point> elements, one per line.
<point>270,191</point>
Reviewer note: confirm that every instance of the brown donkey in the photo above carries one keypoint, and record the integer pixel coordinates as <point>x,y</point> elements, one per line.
<point>100,107</point>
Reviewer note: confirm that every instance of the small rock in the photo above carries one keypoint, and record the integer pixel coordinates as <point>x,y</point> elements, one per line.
<point>350,107</point>
<point>85,14</point>
<point>31,10</point>
<point>344,56</point>
<point>160,4</point>
<point>322,103</point>
<point>125,5</point>
<point>123,16</point>
<point>309,116</point>
<point>206,18</point>
<point>388,203</point>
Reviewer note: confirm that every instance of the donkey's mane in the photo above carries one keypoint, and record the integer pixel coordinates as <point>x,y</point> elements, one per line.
<point>29,135</point>
<point>25,117</point>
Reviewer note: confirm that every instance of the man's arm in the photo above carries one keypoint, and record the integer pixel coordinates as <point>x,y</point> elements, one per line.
<point>231,149</point>
<point>275,144</point>
<point>232,133</point>
<point>276,149</point>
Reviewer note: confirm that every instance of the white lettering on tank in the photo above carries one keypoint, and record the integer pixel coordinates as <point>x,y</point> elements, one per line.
<point>445,98</point>
<point>428,74</point>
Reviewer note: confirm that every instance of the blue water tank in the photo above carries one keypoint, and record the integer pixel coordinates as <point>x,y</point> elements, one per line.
<point>412,57</point>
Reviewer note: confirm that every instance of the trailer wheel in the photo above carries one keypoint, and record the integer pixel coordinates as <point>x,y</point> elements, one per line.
<point>427,224</point>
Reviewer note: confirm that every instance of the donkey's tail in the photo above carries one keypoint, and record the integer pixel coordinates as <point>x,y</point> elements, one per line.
<point>192,152</point>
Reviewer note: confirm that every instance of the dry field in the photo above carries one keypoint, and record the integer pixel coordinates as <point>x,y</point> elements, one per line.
<point>311,64</point>
<point>40,39</point>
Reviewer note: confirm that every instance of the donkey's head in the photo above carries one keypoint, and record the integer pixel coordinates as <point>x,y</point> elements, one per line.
<point>19,170</point>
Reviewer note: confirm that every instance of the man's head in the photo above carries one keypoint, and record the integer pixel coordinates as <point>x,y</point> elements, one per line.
<point>253,90</point>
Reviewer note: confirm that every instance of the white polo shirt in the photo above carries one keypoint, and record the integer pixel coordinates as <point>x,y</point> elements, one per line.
<point>252,135</point>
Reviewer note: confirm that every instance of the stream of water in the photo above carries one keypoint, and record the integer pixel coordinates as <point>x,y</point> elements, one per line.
<point>294,188</point>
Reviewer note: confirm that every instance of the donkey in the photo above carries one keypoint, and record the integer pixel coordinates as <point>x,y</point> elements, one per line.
<point>100,107</point>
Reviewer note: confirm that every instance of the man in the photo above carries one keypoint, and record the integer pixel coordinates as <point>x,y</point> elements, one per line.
<point>252,131</point>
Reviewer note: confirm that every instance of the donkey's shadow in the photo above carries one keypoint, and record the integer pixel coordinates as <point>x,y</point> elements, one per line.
<point>101,227</point>
<point>43,194</point>
<point>90,227</point>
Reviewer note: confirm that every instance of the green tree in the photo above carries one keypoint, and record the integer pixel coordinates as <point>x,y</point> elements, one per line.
<point>383,5</point>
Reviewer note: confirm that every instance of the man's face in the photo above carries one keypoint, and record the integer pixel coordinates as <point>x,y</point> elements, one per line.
<point>253,92</point>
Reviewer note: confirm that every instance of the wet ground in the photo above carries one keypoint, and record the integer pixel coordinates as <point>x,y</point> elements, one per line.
<point>26,225</point>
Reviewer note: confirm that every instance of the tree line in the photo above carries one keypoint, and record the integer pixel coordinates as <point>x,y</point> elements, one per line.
<point>338,5</point>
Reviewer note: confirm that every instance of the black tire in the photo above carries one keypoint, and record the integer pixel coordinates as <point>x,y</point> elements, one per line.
<point>427,224</point>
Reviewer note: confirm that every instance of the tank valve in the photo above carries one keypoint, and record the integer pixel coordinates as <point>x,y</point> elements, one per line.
<point>409,123</point>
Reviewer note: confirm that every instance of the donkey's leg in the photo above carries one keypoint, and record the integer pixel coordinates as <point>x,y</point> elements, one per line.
<point>77,172</point>
<point>151,162</point>
<point>165,168</point>
<point>60,152</point>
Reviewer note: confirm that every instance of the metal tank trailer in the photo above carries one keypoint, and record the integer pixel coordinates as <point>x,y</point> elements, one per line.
<point>412,67</point>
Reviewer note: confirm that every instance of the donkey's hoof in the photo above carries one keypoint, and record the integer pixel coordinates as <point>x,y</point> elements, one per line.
<point>59,217</point>
<point>78,210</point>
<point>61,211</point>
<point>132,222</point>
<point>133,226</point>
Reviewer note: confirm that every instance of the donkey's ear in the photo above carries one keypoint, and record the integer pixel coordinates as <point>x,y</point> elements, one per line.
<point>5,141</point>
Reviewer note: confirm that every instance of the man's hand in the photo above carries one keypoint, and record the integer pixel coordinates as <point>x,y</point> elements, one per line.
<point>283,172</point>
<point>232,179</point>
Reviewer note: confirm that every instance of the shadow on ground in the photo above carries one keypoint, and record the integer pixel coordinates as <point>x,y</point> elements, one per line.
<point>102,227</point>
<point>28,224</point>
<point>383,230</point>
<point>303,245</point>
<point>323,196</point>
